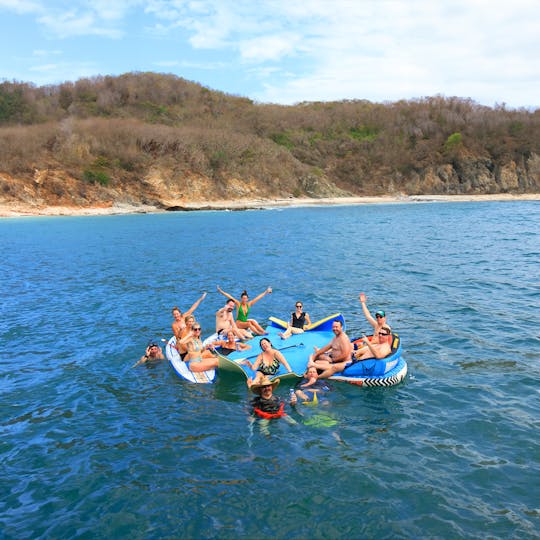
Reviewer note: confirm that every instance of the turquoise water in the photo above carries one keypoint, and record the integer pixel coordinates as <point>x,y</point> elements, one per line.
<point>91,448</point>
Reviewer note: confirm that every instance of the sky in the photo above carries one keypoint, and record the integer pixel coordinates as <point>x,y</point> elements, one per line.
<point>286,51</point>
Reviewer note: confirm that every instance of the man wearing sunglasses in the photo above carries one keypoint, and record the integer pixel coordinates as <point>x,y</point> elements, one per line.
<point>377,322</point>
<point>376,350</point>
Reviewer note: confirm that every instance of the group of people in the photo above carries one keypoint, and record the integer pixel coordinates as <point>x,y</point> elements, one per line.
<point>233,330</point>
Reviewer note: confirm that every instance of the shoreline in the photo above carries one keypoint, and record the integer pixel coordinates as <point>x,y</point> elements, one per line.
<point>20,210</point>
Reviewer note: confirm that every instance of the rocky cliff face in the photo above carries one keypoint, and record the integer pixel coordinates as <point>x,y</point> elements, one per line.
<point>469,175</point>
<point>162,188</point>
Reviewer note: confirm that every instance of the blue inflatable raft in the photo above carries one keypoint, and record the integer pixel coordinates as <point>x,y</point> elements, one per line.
<point>295,349</point>
<point>372,372</point>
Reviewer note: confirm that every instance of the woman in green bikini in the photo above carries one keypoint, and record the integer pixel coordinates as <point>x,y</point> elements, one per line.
<point>243,307</point>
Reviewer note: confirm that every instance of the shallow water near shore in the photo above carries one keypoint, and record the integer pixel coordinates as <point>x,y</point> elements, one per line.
<point>91,448</point>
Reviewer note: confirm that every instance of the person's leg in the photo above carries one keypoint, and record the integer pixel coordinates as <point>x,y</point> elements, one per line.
<point>287,333</point>
<point>332,370</point>
<point>203,365</point>
<point>255,327</point>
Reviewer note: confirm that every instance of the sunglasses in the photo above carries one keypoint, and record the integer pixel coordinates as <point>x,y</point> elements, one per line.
<point>298,305</point>
<point>383,334</point>
<point>196,329</point>
<point>379,316</point>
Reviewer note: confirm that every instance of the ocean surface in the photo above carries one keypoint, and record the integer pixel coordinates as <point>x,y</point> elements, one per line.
<point>91,448</point>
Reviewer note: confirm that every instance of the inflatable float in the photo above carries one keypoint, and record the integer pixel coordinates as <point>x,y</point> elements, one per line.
<point>387,371</point>
<point>295,349</point>
<point>181,368</point>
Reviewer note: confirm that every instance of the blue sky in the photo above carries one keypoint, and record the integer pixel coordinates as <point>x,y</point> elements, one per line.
<point>286,51</point>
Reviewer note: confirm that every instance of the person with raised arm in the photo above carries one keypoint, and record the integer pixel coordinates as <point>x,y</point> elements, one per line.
<point>225,322</point>
<point>152,354</point>
<point>179,324</point>
<point>377,322</point>
<point>243,307</point>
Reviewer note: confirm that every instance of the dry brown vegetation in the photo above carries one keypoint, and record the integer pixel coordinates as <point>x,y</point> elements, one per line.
<point>157,138</point>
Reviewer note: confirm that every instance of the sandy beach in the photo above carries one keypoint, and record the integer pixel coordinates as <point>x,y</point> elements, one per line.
<point>20,210</point>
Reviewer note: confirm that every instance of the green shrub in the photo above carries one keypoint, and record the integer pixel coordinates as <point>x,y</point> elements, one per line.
<point>453,142</point>
<point>283,139</point>
<point>96,177</point>
<point>363,133</point>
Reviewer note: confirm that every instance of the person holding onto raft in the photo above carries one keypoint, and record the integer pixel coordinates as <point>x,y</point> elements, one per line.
<point>179,323</point>
<point>299,321</point>
<point>311,386</point>
<point>267,363</point>
<point>243,307</point>
<point>339,350</point>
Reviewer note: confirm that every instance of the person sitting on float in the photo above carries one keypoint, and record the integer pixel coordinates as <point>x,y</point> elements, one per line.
<point>225,322</point>
<point>370,350</point>
<point>377,322</point>
<point>376,350</point>
<point>199,358</point>
<point>185,335</point>
<point>243,307</point>
<point>268,362</point>
<point>179,323</point>
<point>299,321</point>
<point>229,345</point>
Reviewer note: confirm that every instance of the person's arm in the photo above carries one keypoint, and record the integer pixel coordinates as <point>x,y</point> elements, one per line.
<point>257,298</point>
<point>220,290</point>
<point>367,314</point>
<point>143,358</point>
<point>256,364</point>
<point>281,358</point>
<point>379,352</point>
<point>307,321</point>
<point>322,350</point>
<point>195,305</point>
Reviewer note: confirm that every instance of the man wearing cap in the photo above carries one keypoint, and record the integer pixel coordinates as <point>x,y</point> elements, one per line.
<point>377,322</point>
<point>152,354</point>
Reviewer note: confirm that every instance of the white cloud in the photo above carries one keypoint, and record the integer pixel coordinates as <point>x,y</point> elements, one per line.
<point>270,47</point>
<point>319,50</point>
<point>21,6</point>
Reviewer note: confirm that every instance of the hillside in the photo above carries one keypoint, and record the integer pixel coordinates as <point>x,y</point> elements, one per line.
<point>145,138</point>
